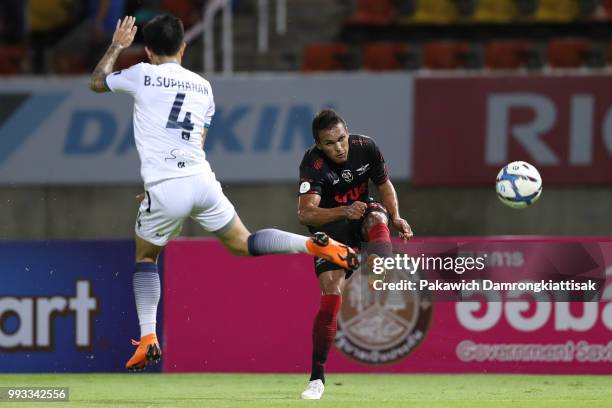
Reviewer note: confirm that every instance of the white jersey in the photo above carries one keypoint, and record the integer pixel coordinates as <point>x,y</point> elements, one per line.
<point>172,107</point>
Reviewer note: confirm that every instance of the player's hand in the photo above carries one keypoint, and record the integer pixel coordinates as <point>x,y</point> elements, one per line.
<point>355,211</point>
<point>140,197</point>
<point>405,232</point>
<point>124,32</point>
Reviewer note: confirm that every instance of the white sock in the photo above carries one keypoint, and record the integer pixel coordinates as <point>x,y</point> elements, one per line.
<point>147,291</point>
<point>272,241</point>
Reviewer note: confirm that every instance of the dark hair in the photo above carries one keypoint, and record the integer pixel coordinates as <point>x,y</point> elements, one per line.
<point>326,119</point>
<point>163,35</point>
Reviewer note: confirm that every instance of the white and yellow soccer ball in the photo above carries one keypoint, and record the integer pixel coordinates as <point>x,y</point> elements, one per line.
<point>518,184</point>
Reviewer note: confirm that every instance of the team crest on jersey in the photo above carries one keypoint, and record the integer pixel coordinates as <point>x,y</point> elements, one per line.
<point>382,327</point>
<point>347,175</point>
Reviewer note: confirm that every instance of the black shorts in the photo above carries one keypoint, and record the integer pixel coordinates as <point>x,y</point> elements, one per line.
<point>347,232</point>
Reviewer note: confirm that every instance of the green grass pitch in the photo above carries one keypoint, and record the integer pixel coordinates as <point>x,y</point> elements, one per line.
<point>342,390</point>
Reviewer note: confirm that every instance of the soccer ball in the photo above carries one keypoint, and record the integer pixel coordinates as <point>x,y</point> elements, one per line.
<point>519,184</point>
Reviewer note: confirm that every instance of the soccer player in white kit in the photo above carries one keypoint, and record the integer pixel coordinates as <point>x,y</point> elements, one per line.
<point>173,109</point>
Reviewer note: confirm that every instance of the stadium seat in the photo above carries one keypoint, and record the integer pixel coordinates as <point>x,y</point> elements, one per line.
<point>325,57</point>
<point>373,12</point>
<point>496,11</point>
<point>432,12</point>
<point>507,54</point>
<point>131,56</point>
<point>388,56</point>
<point>607,8</point>
<point>187,10</point>
<point>448,55</point>
<point>11,58</point>
<point>70,64</point>
<point>568,52</point>
<point>561,11</point>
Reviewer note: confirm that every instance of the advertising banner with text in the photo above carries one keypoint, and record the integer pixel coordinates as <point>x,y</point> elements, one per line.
<point>256,314</point>
<point>59,132</point>
<point>67,306</point>
<point>467,128</point>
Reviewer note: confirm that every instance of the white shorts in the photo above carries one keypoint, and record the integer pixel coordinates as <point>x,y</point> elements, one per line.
<point>168,203</point>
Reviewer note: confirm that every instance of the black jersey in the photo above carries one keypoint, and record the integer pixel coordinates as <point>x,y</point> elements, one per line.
<point>343,184</point>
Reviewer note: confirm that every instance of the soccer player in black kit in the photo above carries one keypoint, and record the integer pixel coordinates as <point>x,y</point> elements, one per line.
<point>333,198</point>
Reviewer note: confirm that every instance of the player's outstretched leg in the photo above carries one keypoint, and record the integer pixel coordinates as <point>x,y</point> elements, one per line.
<point>273,241</point>
<point>147,291</point>
<point>237,239</point>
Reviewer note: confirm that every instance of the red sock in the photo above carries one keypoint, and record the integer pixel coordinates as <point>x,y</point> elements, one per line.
<point>379,240</point>
<point>324,333</point>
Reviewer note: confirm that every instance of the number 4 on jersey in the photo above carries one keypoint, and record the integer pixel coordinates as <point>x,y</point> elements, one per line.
<point>173,122</point>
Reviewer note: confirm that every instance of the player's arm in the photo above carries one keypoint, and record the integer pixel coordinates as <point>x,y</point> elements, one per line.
<point>387,193</point>
<point>122,38</point>
<point>309,212</point>
<point>388,196</point>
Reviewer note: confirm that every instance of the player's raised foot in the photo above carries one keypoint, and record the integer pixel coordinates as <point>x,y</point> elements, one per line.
<point>333,251</point>
<point>148,351</point>
<point>314,390</point>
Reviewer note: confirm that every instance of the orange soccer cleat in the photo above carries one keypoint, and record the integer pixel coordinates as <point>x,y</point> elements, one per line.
<point>333,251</point>
<point>148,351</point>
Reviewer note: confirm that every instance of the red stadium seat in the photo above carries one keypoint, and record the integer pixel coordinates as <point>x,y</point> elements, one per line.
<point>507,54</point>
<point>385,56</point>
<point>130,56</point>
<point>187,10</point>
<point>568,52</point>
<point>445,54</point>
<point>373,12</point>
<point>11,58</point>
<point>324,57</point>
<point>607,6</point>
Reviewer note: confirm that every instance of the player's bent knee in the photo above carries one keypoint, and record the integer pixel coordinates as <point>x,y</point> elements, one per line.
<point>236,243</point>
<point>234,237</point>
<point>238,247</point>
<point>373,219</point>
<point>146,259</point>
<point>146,251</point>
